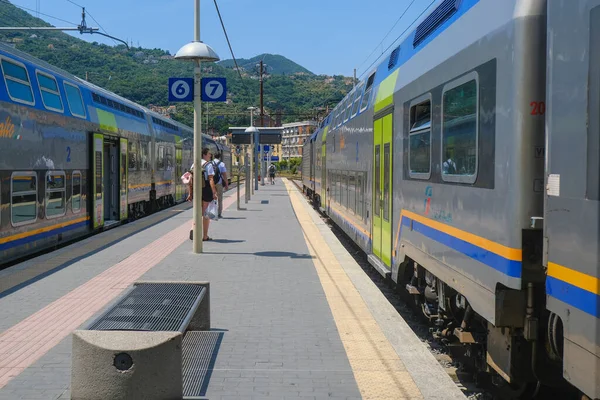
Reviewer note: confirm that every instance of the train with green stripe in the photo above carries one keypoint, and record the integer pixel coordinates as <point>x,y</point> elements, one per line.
<point>77,159</point>
<point>466,166</point>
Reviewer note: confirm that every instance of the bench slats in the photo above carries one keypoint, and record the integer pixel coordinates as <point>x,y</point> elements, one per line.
<point>153,307</point>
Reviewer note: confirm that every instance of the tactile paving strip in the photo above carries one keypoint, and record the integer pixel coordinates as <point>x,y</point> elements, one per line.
<point>379,372</point>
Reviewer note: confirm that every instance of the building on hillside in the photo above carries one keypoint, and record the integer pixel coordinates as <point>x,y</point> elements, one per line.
<point>293,137</point>
<point>164,111</point>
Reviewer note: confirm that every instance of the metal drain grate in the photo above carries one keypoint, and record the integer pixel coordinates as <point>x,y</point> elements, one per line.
<point>152,307</point>
<point>199,353</point>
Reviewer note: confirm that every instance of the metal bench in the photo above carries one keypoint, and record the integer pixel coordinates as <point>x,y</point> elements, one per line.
<point>133,349</point>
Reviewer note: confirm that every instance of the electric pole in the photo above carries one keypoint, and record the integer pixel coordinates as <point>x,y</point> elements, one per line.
<point>262,110</point>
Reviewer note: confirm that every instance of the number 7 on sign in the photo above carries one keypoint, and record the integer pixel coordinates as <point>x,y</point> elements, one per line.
<point>214,86</point>
<point>214,89</point>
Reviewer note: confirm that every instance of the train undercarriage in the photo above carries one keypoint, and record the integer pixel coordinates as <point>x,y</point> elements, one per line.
<point>517,359</point>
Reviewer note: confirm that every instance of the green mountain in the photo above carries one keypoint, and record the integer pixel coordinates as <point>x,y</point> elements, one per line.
<point>275,65</point>
<point>141,75</point>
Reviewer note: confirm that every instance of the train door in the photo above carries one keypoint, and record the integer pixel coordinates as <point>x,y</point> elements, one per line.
<point>109,188</point>
<point>123,179</point>
<point>179,188</point>
<point>111,182</point>
<point>382,189</point>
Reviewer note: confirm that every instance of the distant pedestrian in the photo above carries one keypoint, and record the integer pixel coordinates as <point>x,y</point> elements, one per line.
<point>272,173</point>
<point>220,179</point>
<point>209,190</point>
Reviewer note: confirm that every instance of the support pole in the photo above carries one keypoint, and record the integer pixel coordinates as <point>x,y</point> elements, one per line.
<point>198,234</point>
<point>262,110</point>
<point>262,166</point>
<point>255,158</point>
<point>252,163</point>
<point>238,192</point>
<point>247,186</point>
<point>247,175</point>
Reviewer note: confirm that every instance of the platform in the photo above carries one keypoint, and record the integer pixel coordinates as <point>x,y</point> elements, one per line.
<point>293,315</point>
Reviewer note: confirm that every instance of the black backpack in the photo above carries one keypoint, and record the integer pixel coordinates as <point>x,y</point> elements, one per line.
<point>217,176</point>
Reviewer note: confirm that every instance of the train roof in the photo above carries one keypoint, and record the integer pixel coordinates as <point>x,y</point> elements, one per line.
<point>65,74</point>
<point>442,14</point>
<point>94,88</point>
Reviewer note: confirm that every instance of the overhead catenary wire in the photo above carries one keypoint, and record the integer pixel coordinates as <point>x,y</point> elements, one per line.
<point>75,4</point>
<point>396,40</point>
<point>41,13</point>
<point>387,34</point>
<point>229,44</point>
<point>94,19</point>
<point>87,12</point>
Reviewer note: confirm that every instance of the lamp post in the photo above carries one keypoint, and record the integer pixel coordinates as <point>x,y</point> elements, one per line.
<point>197,52</point>
<point>253,131</point>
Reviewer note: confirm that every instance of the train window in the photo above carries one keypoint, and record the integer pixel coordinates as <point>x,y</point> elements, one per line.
<point>133,163</point>
<point>75,100</point>
<point>144,158</point>
<point>331,185</point>
<point>365,100</point>
<point>23,198</point>
<point>160,160</point>
<point>169,159</point>
<point>50,93</point>
<point>357,101</point>
<point>419,159</point>
<point>339,187</point>
<point>352,191</point>
<point>76,197</point>
<point>335,119</point>
<point>55,203</point>
<point>348,105</point>
<point>360,195</point>
<point>344,189</point>
<point>17,82</point>
<point>460,130</point>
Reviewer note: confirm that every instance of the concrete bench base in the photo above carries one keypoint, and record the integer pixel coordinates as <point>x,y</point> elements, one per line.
<point>126,365</point>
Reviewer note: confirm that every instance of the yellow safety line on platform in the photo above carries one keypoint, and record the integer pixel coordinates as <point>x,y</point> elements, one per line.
<point>379,372</point>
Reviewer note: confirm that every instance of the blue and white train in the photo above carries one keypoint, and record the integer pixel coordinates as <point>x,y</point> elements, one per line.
<point>466,165</point>
<point>75,158</point>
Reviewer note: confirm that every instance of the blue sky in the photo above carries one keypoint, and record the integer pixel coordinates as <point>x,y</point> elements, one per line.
<point>325,36</point>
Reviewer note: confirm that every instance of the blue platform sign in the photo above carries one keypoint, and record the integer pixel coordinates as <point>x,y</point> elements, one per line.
<point>181,89</point>
<point>214,89</point>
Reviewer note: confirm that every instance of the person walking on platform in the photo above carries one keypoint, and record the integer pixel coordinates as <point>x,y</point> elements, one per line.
<point>220,179</point>
<point>272,173</point>
<point>209,191</point>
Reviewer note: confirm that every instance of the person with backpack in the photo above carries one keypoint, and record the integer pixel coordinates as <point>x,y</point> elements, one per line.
<point>209,191</point>
<point>272,173</point>
<point>220,179</point>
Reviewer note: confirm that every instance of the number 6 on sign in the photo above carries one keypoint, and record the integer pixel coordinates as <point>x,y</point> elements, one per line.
<point>181,89</point>
<point>214,89</point>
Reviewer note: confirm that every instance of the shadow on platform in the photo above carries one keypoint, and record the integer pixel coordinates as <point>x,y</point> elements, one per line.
<point>274,254</point>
